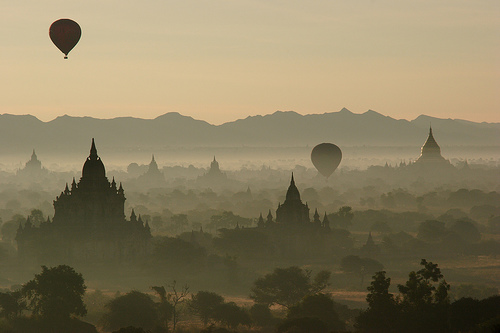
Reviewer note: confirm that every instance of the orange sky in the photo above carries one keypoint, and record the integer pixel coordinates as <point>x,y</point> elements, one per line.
<point>223,60</point>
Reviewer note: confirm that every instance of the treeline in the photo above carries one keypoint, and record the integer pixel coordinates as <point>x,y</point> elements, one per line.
<point>286,300</point>
<point>423,305</point>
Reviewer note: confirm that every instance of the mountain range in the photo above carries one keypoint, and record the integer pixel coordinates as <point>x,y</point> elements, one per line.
<point>280,129</point>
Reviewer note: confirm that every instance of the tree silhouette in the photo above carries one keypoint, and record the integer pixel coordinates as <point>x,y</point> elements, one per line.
<point>243,243</point>
<point>318,306</point>
<point>56,293</point>
<point>179,222</point>
<point>11,304</point>
<point>36,217</point>
<point>432,231</point>
<point>170,301</point>
<point>342,218</point>
<point>165,308</point>
<point>9,228</point>
<point>466,230</point>
<point>287,286</point>
<point>174,251</point>
<point>177,297</point>
<point>302,325</point>
<point>382,307</point>
<point>205,304</point>
<point>231,315</point>
<point>261,315</point>
<point>424,306</point>
<point>132,309</point>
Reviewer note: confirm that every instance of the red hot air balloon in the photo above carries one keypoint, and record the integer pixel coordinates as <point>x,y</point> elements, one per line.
<point>65,33</point>
<point>326,158</point>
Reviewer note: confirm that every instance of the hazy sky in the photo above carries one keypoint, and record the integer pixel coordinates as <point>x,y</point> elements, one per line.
<point>221,60</point>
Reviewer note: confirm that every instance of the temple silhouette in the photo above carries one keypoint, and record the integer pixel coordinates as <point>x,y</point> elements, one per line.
<point>88,224</point>
<point>292,211</point>
<point>32,168</point>
<point>430,164</point>
<point>153,177</point>
<point>214,177</point>
<point>294,235</point>
<point>431,152</point>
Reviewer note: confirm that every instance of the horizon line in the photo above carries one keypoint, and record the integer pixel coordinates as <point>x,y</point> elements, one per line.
<point>249,116</point>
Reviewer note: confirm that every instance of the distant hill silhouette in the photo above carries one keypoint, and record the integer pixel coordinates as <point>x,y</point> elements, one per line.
<point>65,133</point>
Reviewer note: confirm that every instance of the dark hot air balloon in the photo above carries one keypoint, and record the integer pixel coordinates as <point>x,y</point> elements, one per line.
<point>326,158</point>
<point>65,33</point>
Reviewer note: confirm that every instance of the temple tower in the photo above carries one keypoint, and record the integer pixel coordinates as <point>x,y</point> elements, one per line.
<point>430,152</point>
<point>292,211</point>
<point>89,223</point>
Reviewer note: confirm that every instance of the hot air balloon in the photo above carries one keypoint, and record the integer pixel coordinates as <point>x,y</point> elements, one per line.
<point>65,33</point>
<point>326,158</point>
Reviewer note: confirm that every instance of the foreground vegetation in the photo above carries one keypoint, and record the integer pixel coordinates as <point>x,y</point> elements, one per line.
<point>286,300</point>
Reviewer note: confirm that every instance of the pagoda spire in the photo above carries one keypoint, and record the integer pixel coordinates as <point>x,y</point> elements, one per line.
<point>292,192</point>
<point>316,219</point>
<point>260,221</point>
<point>430,151</point>
<point>269,218</point>
<point>326,222</point>
<point>93,150</point>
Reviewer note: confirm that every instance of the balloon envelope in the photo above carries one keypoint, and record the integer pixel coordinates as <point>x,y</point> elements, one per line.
<point>65,33</point>
<point>326,158</point>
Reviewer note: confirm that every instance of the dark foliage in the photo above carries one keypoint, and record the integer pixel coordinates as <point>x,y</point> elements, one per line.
<point>205,304</point>
<point>131,329</point>
<point>302,325</point>
<point>132,309</point>
<point>231,315</point>
<point>177,252</point>
<point>472,315</point>
<point>11,304</point>
<point>466,230</point>
<point>431,231</point>
<point>43,325</point>
<point>261,315</point>
<point>287,286</point>
<point>342,218</point>
<point>243,243</point>
<point>382,307</point>
<point>319,306</point>
<point>56,293</point>
<point>424,306</point>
